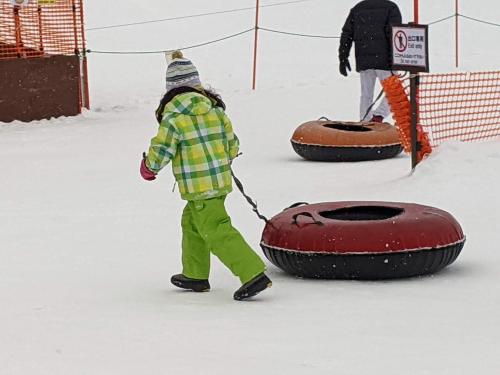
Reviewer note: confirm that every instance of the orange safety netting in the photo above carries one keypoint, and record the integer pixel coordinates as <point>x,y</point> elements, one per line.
<point>40,28</point>
<point>460,106</point>
<point>400,107</point>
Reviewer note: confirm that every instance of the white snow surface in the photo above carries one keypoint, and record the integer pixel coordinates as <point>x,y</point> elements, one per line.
<point>87,247</point>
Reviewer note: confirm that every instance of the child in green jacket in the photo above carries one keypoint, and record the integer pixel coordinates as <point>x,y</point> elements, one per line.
<point>197,137</point>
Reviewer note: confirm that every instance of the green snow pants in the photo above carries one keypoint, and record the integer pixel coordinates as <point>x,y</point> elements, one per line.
<point>207,228</point>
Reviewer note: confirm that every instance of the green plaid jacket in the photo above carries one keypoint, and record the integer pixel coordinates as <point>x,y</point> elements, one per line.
<point>198,138</point>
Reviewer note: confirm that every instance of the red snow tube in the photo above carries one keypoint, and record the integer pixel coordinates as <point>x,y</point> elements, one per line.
<point>362,240</point>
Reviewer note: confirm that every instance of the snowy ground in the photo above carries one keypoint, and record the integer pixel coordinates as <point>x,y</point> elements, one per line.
<point>87,247</point>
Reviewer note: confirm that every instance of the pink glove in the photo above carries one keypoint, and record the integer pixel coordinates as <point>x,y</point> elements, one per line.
<point>146,173</point>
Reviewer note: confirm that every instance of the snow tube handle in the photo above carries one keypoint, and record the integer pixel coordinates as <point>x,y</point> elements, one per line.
<point>308,214</point>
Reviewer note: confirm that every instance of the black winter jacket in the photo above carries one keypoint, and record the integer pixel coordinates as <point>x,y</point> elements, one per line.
<point>369,27</point>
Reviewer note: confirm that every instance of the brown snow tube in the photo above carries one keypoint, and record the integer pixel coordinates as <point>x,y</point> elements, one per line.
<point>326,140</point>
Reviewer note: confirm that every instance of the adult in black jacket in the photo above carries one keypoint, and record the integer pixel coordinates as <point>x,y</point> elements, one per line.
<point>368,26</point>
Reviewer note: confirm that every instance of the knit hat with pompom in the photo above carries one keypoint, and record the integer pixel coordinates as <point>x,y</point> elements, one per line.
<point>181,72</point>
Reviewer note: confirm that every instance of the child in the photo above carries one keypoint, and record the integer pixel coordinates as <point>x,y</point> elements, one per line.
<point>197,136</point>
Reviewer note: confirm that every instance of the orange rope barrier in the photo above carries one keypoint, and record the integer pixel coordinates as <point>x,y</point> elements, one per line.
<point>400,107</point>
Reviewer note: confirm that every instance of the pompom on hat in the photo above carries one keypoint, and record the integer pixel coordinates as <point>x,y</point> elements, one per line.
<point>181,72</point>
<point>176,55</point>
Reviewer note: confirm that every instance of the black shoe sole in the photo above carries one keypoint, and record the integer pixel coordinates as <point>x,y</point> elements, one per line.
<point>190,286</point>
<point>258,288</point>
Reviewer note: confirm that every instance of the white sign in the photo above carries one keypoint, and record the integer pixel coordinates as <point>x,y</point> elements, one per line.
<point>20,2</point>
<point>410,48</point>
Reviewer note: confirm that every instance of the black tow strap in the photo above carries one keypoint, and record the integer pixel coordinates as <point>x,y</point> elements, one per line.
<point>250,201</point>
<point>372,105</point>
<point>376,100</point>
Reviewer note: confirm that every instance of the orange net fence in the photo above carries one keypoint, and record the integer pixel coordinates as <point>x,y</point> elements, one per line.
<point>460,106</point>
<point>41,27</point>
<point>455,106</point>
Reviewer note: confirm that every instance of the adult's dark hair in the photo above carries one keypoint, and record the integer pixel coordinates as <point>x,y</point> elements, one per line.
<point>214,98</point>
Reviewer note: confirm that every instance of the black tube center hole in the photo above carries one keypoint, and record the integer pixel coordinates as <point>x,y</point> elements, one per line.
<point>348,128</point>
<point>361,213</point>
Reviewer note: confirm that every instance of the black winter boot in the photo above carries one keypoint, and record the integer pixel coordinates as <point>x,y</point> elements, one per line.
<point>195,285</point>
<point>253,287</point>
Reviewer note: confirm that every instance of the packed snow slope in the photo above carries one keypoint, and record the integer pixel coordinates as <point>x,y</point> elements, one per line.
<point>87,247</point>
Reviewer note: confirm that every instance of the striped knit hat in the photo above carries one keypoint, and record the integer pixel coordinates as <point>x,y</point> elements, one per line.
<point>181,72</point>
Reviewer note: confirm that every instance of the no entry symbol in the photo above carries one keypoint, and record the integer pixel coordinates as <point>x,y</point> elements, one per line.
<point>401,41</point>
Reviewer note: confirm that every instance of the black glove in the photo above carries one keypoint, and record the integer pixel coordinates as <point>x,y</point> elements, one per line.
<point>344,66</point>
